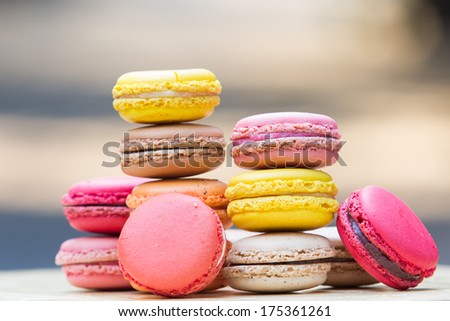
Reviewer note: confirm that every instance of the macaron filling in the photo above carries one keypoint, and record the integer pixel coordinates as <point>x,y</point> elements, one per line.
<point>177,141</point>
<point>275,135</point>
<point>99,268</point>
<point>378,255</point>
<point>288,144</point>
<point>304,262</point>
<point>96,211</point>
<point>183,156</point>
<point>168,94</point>
<point>174,147</point>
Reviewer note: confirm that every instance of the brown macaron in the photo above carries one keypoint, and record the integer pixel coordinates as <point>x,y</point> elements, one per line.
<point>345,271</point>
<point>209,191</point>
<point>175,150</point>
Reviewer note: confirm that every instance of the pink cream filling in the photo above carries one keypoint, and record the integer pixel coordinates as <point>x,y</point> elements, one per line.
<point>87,269</point>
<point>268,136</point>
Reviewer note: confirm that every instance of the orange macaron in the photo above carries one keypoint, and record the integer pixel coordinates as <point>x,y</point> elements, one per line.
<point>209,191</point>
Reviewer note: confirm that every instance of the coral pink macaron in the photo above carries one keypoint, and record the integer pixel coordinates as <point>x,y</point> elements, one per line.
<point>286,139</point>
<point>386,238</point>
<point>172,245</point>
<point>92,263</point>
<point>98,205</point>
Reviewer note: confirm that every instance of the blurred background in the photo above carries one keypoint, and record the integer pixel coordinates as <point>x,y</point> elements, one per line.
<point>380,68</point>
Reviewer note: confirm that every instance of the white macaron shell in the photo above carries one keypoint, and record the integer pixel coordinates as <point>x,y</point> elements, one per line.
<point>280,247</point>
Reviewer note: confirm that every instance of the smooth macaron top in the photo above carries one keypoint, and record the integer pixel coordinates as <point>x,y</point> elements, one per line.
<point>101,191</point>
<point>172,245</point>
<point>279,248</point>
<point>89,249</point>
<point>288,122</point>
<point>184,80</point>
<point>210,191</point>
<point>280,182</point>
<point>389,224</point>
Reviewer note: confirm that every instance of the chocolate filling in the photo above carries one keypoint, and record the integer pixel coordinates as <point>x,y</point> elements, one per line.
<point>378,255</point>
<point>158,157</point>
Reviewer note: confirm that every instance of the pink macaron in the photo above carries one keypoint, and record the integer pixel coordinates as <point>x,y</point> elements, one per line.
<point>286,139</point>
<point>92,263</point>
<point>386,238</point>
<point>98,205</point>
<point>172,245</point>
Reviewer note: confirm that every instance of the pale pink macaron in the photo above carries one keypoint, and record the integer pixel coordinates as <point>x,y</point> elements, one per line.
<point>92,263</point>
<point>98,205</point>
<point>172,245</point>
<point>286,139</point>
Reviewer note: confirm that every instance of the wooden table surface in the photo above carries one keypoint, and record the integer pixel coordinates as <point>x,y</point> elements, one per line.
<point>50,284</point>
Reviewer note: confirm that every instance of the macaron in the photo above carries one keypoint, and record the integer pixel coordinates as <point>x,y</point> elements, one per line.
<point>345,271</point>
<point>288,199</point>
<point>92,263</point>
<point>166,96</point>
<point>209,191</point>
<point>286,139</point>
<point>175,150</point>
<point>98,205</point>
<point>220,281</point>
<point>278,262</point>
<point>172,245</point>
<point>386,238</point>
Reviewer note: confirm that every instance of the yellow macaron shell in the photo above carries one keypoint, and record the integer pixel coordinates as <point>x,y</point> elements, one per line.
<point>165,96</point>
<point>280,182</point>
<point>132,84</point>
<point>282,213</point>
<point>281,200</point>
<point>165,110</point>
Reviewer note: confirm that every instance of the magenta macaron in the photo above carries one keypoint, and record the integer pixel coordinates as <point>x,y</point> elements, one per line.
<point>172,245</point>
<point>286,139</point>
<point>92,263</point>
<point>386,238</point>
<point>98,205</point>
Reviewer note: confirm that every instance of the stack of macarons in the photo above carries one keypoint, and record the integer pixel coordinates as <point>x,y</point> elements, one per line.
<point>96,206</point>
<point>166,149</point>
<point>165,100</point>
<point>282,196</point>
<point>173,243</point>
<point>378,237</point>
<point>170,147</point>
<point>285,191</point>
<point>160,231</point>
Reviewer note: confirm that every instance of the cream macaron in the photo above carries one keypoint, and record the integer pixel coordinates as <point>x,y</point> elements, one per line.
<point>278,262</point>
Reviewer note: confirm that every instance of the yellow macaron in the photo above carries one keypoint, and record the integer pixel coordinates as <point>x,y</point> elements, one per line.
<point>288,199</point>
<point>166,96</point>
